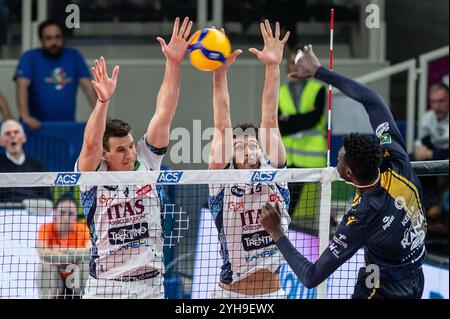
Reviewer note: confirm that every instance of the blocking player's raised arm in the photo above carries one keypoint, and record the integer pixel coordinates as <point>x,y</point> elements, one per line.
<point>104,86</point>
<point>222,144</point>
<point>271,55</point>
<point>158,131</point>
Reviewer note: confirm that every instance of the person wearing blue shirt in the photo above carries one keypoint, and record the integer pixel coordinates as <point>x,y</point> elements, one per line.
<point>47,79</point>
<point>387,218</point>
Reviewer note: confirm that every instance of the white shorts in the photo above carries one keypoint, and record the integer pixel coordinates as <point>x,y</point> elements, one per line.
<point>220,293</point>
<point>152,288</point>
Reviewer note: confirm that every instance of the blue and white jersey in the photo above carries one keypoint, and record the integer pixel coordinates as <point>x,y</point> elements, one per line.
<point>125,222</point>
<point>236,208</point>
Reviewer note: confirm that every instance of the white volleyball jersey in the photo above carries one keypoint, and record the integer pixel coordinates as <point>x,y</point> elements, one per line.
<point>124,222</point>
<point>245,246</point>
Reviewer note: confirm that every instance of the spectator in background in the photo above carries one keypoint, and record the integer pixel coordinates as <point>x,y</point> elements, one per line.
<point>47,79</point>
<point>4,108</point>
<point>433,143</point>
<point>64,249</point>
<point>12,138</point>
<point>302,123</point>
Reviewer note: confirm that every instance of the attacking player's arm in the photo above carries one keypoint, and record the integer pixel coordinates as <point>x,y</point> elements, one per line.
<point>380,116</point>
<point>158,130</point>
<point>349,237</point>
<point>104,86</point>
<point>271,55</point>
<point>222,143</point>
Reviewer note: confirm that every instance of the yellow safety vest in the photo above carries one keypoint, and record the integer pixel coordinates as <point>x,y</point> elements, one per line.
<point>306,148</point>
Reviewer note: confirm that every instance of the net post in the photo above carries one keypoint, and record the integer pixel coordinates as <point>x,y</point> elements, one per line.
<point>324,221</point>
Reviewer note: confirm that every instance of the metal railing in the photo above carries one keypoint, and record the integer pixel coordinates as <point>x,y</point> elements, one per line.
<point>410,67</point>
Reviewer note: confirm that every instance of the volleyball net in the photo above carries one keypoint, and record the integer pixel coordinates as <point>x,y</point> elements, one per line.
<point>169,234</point>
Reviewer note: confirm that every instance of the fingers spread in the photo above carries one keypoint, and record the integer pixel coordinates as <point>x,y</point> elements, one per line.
<point>286,37</point>
<point>255,52</point>
<point>94,84</point>
<point>183,27</point>
<point>98,69</point>
<point>162,42</point>
<point>175,26</point>
<point>235,54</point>
<point>115,73</point>
<point>263,32</point>
<point>277,30</point>
<point>188,29</point>
<point>268,28</point>
<point>103,66</point>
<point>191,37</point>
<point>95,74</point>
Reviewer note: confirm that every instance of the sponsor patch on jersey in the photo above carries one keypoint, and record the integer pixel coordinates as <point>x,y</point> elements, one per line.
<point>111,188</point>
<point>237,191</point>
<point>257,240</point>
<point>385,139</point>
<point>234,206</point>
<point>127,234</point>
<point>383,127</point>
<point>144,190</point>
<point>351,219</point>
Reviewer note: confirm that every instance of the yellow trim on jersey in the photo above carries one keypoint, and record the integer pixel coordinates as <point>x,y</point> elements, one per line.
<point>404,193</point>
<point>356,199</point>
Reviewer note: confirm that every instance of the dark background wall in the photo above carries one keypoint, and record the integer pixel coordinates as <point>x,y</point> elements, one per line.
<point>413,27</point>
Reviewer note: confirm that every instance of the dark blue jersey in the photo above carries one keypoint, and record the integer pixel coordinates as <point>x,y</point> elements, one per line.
<point>388,222</point>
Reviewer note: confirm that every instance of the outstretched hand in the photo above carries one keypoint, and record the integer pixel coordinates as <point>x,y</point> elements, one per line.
<point>272,54</point>
<point>177,48</point>
<point>230,59</point>
<point>103,85</point>
<point>307,66</point>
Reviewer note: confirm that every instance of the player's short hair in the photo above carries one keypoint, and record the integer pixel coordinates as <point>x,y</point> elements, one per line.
<point>438,86</point>
<point>363,156</point>
<point>48,23</point>
<point>245,129</point>
<point>115,128</point>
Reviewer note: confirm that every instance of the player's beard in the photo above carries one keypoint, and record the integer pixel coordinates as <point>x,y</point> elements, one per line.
<point>54,51</point>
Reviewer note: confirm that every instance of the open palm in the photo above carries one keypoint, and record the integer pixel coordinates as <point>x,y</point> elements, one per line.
<point>177,48</point>
<point>103,85</point>
<point>230,59</point>
<point>272,54</point>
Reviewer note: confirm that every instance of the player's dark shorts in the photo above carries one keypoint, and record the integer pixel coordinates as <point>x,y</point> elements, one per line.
<point>410,287</point>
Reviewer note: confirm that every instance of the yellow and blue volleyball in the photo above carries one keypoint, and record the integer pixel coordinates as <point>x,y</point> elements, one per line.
<point>209,49</point>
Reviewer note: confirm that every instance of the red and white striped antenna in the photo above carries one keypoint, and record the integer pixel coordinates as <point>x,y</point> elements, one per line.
<point>330,88</point>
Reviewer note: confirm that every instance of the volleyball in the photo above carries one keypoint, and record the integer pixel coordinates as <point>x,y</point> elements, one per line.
<point>209,49</point>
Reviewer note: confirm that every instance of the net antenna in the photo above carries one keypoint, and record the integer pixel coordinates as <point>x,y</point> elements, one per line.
<point>330,88</point>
